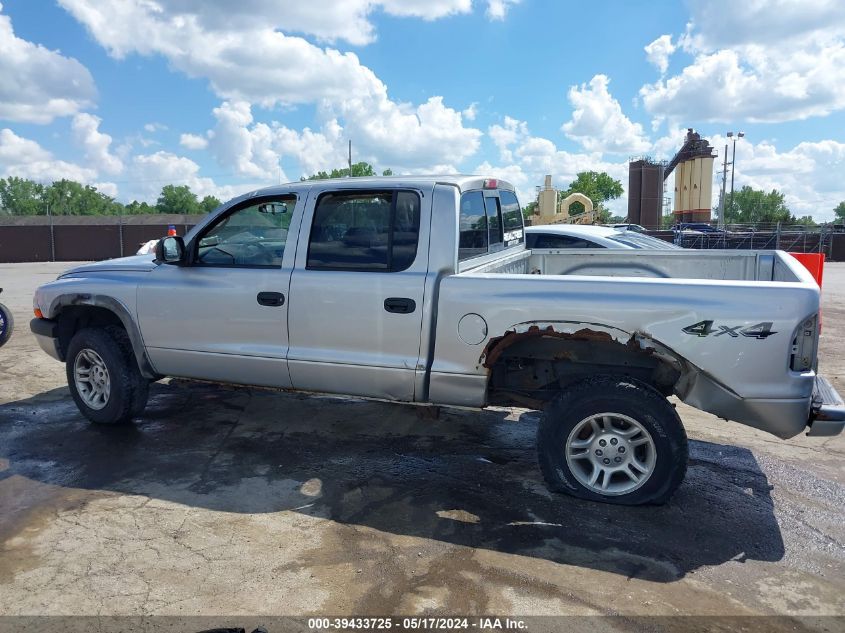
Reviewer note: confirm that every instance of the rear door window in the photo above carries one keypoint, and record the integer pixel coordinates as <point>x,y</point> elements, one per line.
<point>373,231</point>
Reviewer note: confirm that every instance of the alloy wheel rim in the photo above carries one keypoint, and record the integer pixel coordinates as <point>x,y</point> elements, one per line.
<point>610,454</point>
<point>92,379</point>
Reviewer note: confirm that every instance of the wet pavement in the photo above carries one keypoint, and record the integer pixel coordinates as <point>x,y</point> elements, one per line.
<point>229,500</point>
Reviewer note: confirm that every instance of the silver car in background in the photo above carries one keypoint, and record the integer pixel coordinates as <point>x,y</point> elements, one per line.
<point>589,236</point>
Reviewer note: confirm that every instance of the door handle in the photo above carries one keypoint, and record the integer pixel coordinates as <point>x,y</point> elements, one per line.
<point>400,305</point>
<point>272,299</point>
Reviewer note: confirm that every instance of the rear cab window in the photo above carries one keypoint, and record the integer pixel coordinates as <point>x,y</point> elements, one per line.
<point>489,221</point>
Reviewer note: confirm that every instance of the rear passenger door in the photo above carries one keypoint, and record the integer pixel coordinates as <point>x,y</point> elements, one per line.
<point>356,293</point>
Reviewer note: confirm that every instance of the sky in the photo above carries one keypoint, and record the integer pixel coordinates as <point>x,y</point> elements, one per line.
<point>130,95</point>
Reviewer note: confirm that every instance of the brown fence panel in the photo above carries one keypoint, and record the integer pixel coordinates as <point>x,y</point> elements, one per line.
<point>25,244</point>
<point>134,235</point>
<point>85,243</point>
<point>837,247</point>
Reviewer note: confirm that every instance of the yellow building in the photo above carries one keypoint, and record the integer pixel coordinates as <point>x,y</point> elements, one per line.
<point>550,212</point>
<point>693,167</point>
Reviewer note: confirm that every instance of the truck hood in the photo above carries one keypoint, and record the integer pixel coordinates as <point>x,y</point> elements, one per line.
<point>136,263</point>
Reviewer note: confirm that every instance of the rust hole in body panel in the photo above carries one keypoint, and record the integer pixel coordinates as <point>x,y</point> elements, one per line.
<point>498,345</point>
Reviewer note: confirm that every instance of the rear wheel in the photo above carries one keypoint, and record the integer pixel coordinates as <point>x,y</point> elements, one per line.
<point>103,376</point>
<point>613,439</point>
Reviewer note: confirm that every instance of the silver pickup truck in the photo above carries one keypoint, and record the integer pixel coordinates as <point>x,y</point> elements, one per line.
<point>421,290</point>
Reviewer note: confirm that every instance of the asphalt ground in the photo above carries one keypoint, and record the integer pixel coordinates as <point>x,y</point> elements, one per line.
<point>232,501</point>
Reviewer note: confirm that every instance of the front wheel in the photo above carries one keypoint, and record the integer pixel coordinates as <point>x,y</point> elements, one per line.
<point>612,439</point>
<point>103,376</point>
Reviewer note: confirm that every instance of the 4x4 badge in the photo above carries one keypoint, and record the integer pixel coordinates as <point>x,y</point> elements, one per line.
<point>706,328</point>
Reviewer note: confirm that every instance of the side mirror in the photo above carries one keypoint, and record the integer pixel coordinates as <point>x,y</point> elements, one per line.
<point>170,250</point>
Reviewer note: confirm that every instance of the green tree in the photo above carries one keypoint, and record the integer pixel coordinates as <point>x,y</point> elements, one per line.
<point>755,206</point>
<point>387,172</point>
<point>839,212</point>
<point>68,197</point>
<point>177,199</point>
<point>209,204</point>
<point>599,187</point>
<point>139,208</point>
<point>358,170</point>
<point>576,208</point>
<point>19,196</point>
<point>529,209</point>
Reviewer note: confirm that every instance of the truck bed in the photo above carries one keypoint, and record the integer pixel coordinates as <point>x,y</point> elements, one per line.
<point>715,265</point>
<point>703,305</point>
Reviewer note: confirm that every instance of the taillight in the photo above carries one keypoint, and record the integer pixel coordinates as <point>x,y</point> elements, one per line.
<point>804,343</point>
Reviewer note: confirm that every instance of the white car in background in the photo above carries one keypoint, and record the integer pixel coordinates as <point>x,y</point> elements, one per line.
<point>588,236</point>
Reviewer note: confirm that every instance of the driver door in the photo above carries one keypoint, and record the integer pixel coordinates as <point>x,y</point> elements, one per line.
<point>224,315</point>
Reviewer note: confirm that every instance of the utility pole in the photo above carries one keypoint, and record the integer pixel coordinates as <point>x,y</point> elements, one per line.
<point>733,161</point>
<point>120,227</point>
<point>721,222</point>
<point>52,235</point>
<point>350,158</point>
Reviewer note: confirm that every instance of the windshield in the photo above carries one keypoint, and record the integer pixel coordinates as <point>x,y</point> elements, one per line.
<point>638,240</point>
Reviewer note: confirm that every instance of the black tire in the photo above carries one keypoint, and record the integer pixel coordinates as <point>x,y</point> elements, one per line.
<point>625,397</point>
<point>10,324</point>
<point>127,393</point>
<point>142,385</point>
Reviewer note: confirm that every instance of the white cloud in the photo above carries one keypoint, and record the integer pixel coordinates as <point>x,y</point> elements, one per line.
<point>756,61</point>
<point>506,135</point>
<point>525,159</point>
<point>723,23</point>
<point>405,137</point>
<point>192,141</point>
<point>243,58</point>
<point>659,51</point>
<point>471,111</point>
<point>598,122</point>
<point>148,173</point>
<point>249,61</point>
<point>498,9</point>
<point>430,137</point>
<point>38,84</point>
<point>425,9</point>
<point>25,158</point>
<point>108,188</point>
<point>143,178</point>
<point>155,127</point>
<point>246,149</point>
<point>327,20</point>
<point>96,144</point>
<point>809,174</point>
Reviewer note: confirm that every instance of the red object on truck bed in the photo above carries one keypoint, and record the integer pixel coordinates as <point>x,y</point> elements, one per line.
<point>814,262</point>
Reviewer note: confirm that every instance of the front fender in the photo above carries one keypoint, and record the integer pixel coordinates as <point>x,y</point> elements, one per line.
<point>119,309</point>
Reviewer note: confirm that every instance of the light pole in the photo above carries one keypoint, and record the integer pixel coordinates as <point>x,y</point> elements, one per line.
<point>733,162</point>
